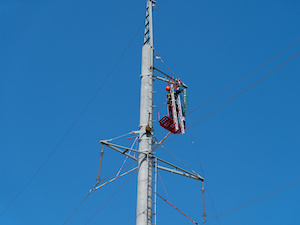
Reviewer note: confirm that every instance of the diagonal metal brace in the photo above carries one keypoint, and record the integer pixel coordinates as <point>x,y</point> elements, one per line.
<point>189,175</point>
<point>178,170</point>
<point>107,182</point>
<point>117,148</point>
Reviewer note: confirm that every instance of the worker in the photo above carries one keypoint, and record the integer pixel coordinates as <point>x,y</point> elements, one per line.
<point>177,92</point>
<point>169,101</point>
<point>169,98</point>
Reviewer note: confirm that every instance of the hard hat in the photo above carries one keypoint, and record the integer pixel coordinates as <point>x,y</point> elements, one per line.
<point>168,88</point>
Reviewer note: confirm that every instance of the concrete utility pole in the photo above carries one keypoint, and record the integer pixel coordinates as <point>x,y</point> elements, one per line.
<point>145,171</point>
<point>144,212</point>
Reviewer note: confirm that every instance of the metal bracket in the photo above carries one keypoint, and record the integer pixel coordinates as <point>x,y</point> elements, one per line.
<point>168,80</point>
<point>175,169</point>
<point>178,170</point>
<point>118,149</point>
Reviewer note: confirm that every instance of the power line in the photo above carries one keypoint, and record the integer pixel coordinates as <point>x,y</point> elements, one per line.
<point>196,152</point>
<point>163,62</point>
<point>231,85</point>
<point>244,90</point>
<point>109,199</point>
<point>116,172</point>
<point>201,120</point>
<point>206,183</point>
<point>253,201</point>
<point>226,104</point>
<point>243,78</point>
<point>79,206</point>
<point>90,192</point>
<point>163,185</point>
<point>160,2</point>
<point>226,89</point>
<point>236,95</point>
<point>72,125</point>
<point>178,159</point>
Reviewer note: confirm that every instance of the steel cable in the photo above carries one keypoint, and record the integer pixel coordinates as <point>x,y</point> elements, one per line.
<point>231,87</point>
<point>93,189</point>
<point>72,125</point>
<point>226,104</point>
<point>245,90</point>
<point>109,199</point>
<point>165,190</point>
<point>243,78</point>
<point>236,95</point>
<point>253,201</point>
<point>178,159</point>
<point>202,171</point>
<point>78,206</point>
<point>226,89</point>
<point>189,218</point>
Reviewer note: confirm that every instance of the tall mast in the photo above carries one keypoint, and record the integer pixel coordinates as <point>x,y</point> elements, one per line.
<point>144,212</point>
<point>145,171</point>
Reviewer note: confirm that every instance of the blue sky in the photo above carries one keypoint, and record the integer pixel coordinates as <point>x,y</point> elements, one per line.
<point>56,54</point>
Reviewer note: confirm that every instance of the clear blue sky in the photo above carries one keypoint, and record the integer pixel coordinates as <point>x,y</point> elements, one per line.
<point>54,55</point>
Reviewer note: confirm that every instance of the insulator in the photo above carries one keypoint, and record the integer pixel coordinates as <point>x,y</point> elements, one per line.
<point>185,101</point>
